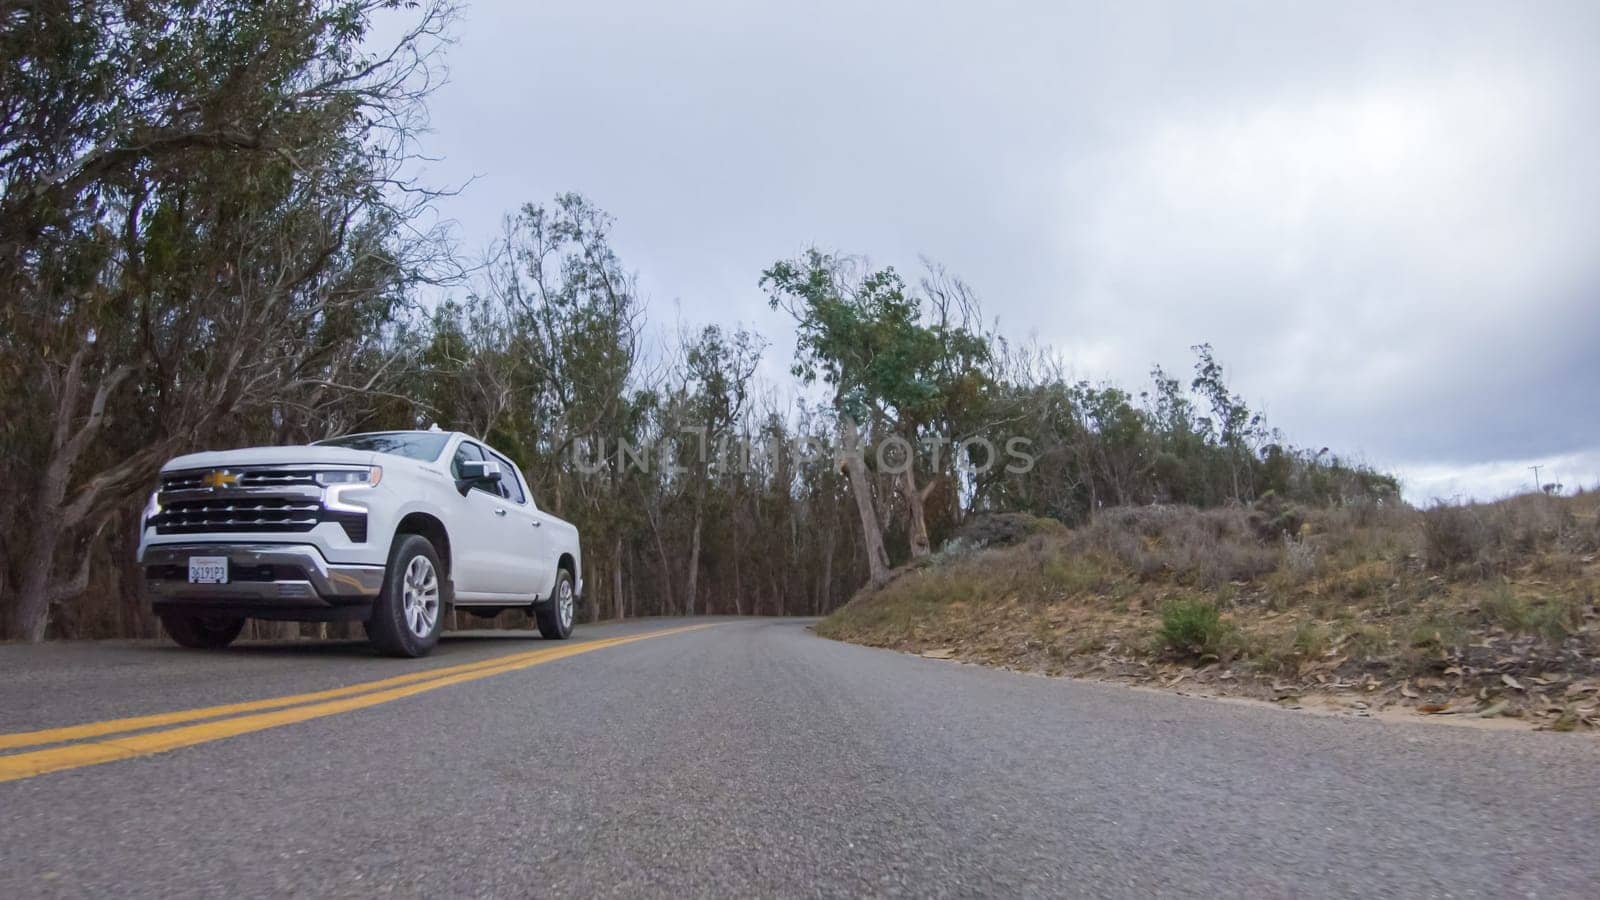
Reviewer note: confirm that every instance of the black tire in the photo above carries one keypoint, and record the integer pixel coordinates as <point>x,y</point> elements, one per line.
<point>557,614</point>
<point>202,632</point>
<point>394,627</point>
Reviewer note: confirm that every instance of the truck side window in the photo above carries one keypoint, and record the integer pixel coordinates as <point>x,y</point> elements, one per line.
<point>510,484</point>
<point>466,451</point>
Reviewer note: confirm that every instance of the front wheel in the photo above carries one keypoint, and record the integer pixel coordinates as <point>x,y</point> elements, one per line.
<point>202,632</point>
<point>406,618</point>
<point>555,615</point>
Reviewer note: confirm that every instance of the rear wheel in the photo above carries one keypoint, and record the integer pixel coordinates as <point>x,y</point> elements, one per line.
<point>407,616</point>
<point>202,632</point>
<point>555,615</point>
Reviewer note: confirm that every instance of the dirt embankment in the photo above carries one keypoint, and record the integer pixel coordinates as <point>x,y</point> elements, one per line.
<point>1484,613</point>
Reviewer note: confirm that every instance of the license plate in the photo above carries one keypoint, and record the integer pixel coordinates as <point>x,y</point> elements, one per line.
<point>208,570</point>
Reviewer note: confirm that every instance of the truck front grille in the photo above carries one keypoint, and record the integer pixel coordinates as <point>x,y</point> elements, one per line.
<point>249,477</point>
<point>237,514</point>
<point>260,499</point>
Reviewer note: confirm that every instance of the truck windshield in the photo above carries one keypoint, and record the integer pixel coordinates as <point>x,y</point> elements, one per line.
<point>423,445</point>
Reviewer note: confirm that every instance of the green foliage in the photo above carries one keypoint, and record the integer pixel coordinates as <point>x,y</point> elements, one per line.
<point>870,339</point>
<point>1098,446</point>
<point>1550,617</point>
<point>1194,628</point>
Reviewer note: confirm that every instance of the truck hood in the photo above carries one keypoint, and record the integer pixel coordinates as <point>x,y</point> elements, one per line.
<point>268,456</point>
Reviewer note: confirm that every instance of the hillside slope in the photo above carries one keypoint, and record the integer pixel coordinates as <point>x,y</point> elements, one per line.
<point>1483,611</point>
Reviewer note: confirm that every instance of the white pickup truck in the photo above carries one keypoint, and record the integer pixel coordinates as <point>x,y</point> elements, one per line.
<point>388,529</point>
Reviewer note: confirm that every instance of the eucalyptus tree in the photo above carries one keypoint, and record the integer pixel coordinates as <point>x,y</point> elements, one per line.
<point>205,228</point>
<point>1232,424</point>
<point>717,373</point>
<point>887,361</point>
<point>562,315</point>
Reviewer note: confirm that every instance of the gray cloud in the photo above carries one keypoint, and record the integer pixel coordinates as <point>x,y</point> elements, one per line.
<point>1383,216</point>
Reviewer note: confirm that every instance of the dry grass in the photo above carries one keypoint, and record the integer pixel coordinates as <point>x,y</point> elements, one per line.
<point>1375,599</point>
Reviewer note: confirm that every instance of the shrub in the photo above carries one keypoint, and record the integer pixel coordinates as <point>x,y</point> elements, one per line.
<point>1310,640</point>
<point>1434,632</point>
<point>1005,529</point>
<point>1359,582</point>
<point>1366,642</point>
<point>1453,535</point>
<point>1499,536</point>
<point>1287,652</point>
<point>1075,574</point>
<point>1299,558</point>
<point>1272,518</point>
<point>1193,628</point>
<point>1554,619</point>
<point>1200,547</point>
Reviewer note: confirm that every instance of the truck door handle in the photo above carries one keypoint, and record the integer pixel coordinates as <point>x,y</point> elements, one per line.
<point>537,523</point>
<point>499,512</point>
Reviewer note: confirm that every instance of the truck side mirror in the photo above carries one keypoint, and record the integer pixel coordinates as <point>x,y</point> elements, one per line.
<point>479,473</point>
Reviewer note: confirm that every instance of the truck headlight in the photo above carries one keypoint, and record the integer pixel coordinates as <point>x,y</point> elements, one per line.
<point>368,477</point>
<point>152,508</point>
<point>341,481</point>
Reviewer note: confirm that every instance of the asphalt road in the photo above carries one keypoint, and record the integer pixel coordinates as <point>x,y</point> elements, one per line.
<point>750,758</point>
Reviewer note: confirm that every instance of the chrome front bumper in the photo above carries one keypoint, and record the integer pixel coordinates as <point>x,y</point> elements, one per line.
<point>300,577</point>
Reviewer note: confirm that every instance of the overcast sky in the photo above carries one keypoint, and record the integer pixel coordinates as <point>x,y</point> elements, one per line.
<point>1383,217</point>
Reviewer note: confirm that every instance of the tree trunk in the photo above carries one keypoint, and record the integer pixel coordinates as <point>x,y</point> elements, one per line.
<point>33,604</point>
<point>738,582</point>
<point>825,600</point>
<point>694,550</point>
<point>919,522</point>
<point>53,516</point>
<point>666,571</point>
<point>616,578</point>
<point>871,532</point>
<point>594,608</point>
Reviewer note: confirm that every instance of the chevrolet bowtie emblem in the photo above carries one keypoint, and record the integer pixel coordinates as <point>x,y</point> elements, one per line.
<point>219,479</point>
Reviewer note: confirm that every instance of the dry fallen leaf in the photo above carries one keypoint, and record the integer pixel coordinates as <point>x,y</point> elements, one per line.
<point>1433,708</point>
<point>1512,683</point>
<point>941,653</point>
<point>1407,691</point>
<point>1493,710</point>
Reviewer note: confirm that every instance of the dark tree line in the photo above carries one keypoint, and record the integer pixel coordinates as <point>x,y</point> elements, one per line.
<point>207,239</point>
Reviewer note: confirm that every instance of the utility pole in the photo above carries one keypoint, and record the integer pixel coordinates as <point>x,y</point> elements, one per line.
<point>1538,488</point>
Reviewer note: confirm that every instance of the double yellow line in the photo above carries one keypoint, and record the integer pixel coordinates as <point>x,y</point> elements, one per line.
<point>95,745</point>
